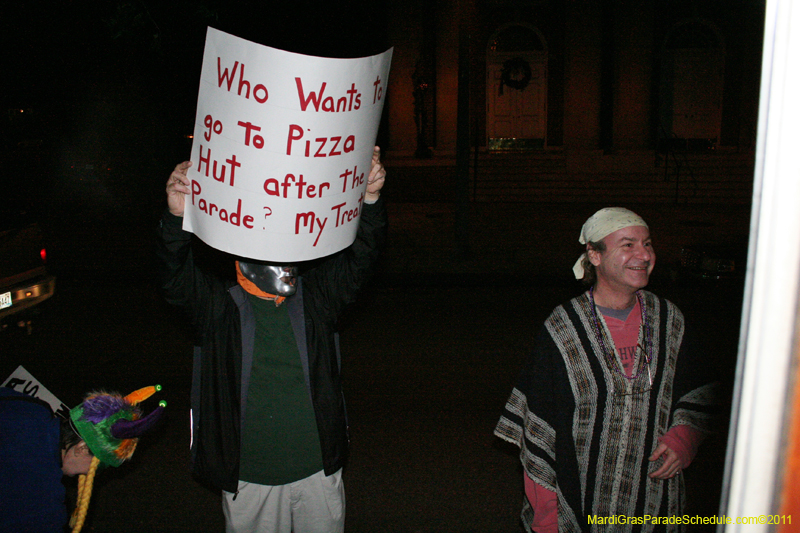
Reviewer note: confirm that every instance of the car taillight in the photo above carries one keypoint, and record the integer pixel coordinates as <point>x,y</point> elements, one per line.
<point>43,254</point>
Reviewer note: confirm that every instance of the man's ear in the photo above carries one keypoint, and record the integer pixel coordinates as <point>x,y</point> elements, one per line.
<point>593,255</point>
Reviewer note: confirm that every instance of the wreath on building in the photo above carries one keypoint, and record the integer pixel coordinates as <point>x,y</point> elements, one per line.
<point>516,74</point>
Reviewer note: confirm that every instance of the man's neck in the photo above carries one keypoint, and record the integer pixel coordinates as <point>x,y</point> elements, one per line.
<point>605,297</point>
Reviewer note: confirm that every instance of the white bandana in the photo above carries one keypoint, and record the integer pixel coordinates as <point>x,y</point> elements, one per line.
<point>602,224</point>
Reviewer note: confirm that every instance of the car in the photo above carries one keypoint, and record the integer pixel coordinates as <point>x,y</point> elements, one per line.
<point>24,279</point>
<point>714,262</point>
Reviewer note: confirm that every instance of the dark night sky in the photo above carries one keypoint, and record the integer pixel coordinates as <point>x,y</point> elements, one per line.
<point>53,49</point>
<point>115,82</point>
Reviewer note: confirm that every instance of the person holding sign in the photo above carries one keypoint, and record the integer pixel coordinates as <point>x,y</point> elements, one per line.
<point>268,415</point>
<point>37,448</point>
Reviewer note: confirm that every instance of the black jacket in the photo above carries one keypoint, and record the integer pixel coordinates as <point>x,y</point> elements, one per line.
<point>220,313</point>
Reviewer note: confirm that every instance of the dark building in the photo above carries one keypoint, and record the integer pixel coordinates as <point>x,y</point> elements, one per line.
<point>643,101</point>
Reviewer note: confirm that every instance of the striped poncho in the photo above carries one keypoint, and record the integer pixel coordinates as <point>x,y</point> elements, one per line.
<point>585,431</point>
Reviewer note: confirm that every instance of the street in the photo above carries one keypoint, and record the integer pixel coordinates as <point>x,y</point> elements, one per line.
<point>429,361</point>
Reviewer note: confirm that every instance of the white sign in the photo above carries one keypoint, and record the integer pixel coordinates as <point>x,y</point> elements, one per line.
<point>22,381</point>
<point>282,149</point>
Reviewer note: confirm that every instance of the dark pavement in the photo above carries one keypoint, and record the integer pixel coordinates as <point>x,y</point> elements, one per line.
<point>430,354</point>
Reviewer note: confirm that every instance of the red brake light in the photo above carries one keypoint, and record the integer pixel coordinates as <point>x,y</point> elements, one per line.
<point>43,254</point>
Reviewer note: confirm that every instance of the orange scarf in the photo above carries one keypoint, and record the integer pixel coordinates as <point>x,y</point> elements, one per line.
<point>251,288</point>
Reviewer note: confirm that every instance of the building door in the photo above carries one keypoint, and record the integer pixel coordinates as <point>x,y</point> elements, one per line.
<point>691,86</point>
<point>697,94</point>
<point>516,89</point>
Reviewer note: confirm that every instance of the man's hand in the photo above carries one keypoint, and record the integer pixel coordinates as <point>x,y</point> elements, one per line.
<point>178,188</point>
<point>672,462</point>
<point>377,176</point>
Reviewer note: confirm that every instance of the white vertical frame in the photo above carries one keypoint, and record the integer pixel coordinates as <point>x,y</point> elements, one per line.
<point>753,464</point>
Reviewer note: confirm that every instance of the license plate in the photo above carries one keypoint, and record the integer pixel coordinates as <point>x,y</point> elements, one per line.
<point>5,300</point>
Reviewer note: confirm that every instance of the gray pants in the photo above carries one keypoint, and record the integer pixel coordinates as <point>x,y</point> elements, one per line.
<point>312,505</point>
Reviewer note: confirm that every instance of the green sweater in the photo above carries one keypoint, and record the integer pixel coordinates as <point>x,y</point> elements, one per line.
<point>280,443</point>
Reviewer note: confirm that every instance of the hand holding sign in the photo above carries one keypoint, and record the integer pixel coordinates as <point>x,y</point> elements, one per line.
<point>282,142</point>
<point>377,176</point>
<point>177,189</point>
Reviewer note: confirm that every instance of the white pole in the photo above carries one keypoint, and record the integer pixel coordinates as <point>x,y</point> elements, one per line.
<point>753,465</point>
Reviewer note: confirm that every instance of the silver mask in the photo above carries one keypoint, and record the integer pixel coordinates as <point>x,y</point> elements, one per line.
<point>272,279</point>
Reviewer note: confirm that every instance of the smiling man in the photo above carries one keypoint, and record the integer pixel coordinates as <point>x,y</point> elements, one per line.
<point>610,407</point>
